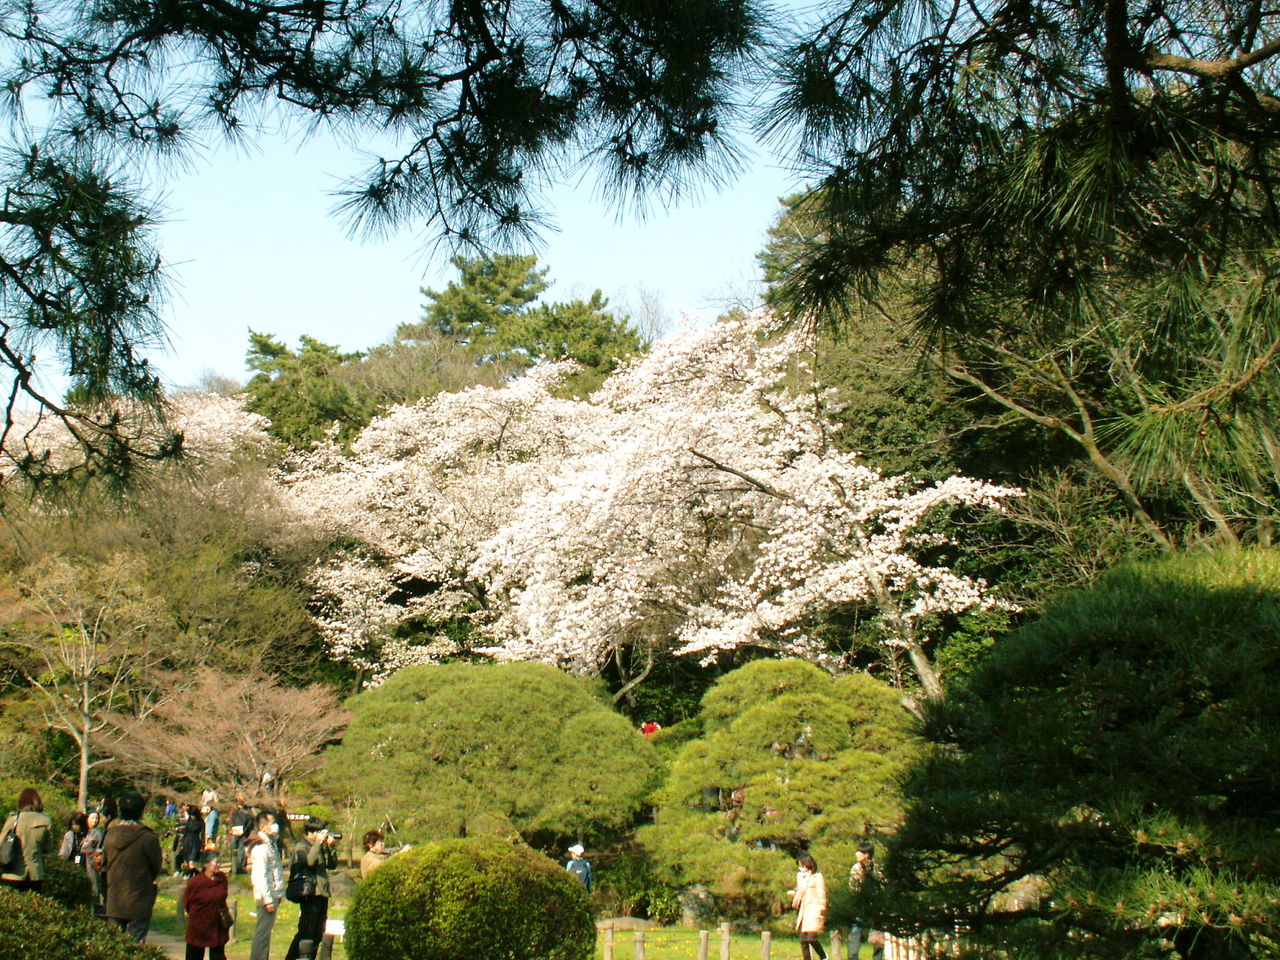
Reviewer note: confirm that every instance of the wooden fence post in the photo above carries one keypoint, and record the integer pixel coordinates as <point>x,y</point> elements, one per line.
<point>608,943</point>
<point>724,941</point>
<point>704,937</point>
<point>639,945</point>
<point>766,941</point>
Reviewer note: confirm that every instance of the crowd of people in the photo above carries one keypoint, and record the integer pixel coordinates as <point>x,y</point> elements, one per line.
<point>124,861</point>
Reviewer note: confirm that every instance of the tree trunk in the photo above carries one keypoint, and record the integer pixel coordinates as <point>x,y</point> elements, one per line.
<point>84,739</point>
<point>929,680</point>
<point>82,796</point>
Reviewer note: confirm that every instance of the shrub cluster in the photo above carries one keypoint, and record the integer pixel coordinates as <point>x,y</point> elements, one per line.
<point>33,925</point>
<point>66,883</point>
<point>470,898</point>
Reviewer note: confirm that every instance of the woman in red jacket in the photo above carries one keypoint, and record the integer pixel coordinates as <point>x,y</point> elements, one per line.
<point>205,901</point>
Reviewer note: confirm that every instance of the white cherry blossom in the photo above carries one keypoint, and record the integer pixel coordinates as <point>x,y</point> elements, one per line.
<point>696,503</point>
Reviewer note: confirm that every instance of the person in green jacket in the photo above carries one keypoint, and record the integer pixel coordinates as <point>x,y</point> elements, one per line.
<point>34,831</point>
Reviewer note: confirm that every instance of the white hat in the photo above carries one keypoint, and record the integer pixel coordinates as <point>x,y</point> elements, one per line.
<point>578,849</point>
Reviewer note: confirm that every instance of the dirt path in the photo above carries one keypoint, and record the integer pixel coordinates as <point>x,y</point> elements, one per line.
<point>172,947</point>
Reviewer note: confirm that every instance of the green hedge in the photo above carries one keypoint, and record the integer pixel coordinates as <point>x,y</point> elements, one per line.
<point>475,898</point>
<point>66,882</point>
<point>33,926</point>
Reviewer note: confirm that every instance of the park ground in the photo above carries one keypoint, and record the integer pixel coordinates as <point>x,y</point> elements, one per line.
<point>667,943</point>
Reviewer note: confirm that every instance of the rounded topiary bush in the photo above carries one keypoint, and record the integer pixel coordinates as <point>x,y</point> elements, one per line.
<point>32,926</point>
<point>482,899</point>
<point>66,882</point>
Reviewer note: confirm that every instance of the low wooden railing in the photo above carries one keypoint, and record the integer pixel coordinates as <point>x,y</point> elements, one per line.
<point>719,943</point>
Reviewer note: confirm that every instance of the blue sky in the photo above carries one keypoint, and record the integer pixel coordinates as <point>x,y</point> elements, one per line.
<point>251,241</point>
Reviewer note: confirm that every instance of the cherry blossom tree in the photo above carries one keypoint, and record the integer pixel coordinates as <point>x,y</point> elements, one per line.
<point>199,426</point>
<point>696,503</point>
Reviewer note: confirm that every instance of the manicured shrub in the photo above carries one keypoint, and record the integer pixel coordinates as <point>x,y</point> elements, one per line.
<point>461,749</point>
<point>34,926</point>
<point>482,899</point>
<point>790,760</point>
<point>66,882</point>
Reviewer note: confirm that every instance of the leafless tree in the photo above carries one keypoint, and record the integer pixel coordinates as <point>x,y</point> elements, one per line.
<point>84,638</point>
<point>239,733</point>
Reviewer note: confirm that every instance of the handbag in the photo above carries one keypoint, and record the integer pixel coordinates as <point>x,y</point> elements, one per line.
<point>301,886</point>
<point>224,917</point>
<point>302,880</point>
<point>11,848</point>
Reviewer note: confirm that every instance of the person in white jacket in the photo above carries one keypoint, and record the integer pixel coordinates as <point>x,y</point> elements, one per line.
<point>810,902</point>
<point>267,873</point>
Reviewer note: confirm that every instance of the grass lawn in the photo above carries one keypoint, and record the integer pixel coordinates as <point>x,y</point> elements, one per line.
<point>165,919</point>
<point>677,943</point>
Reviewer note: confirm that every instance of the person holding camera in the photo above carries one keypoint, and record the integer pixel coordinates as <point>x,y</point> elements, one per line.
<point>313,857</point>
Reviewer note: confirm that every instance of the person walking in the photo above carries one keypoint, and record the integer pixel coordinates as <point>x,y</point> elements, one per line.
<point>209,814</point>
<point>579,866</point>
<point>267,875</point>
<point>205,903</point>
<point>32,828</point>
<point>313,857</point>
<point>810,901</point>
<point>131,862</point>
<point>189,840</point>
<point>91,853</point>
<point>862,876</point>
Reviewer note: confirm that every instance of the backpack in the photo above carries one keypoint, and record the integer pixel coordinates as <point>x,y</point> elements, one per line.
<point>11,849</point>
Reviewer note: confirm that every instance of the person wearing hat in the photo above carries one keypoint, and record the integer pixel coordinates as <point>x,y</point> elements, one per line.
<point>579,866</point>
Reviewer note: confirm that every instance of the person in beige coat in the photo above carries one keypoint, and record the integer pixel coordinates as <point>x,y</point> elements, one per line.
<point>810,902</point>
<point>35,836</point>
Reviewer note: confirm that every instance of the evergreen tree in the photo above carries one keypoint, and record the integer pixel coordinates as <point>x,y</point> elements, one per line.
<point>302,392</point>
<point>1031,194</point>
<point>1106,783</point>
<point>489,314</point>
<point>474,309</point>
<point>518,748</point>
<point>791,760</point>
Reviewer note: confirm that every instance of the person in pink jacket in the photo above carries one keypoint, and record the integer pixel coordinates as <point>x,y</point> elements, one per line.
<point>810,902</point>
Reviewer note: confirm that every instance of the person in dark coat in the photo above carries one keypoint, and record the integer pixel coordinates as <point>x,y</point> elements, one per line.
<point>205,901</point>
<point>189,840</point>
<point>241,824</point>
<point>314,854</point>
<point>131,861</point>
